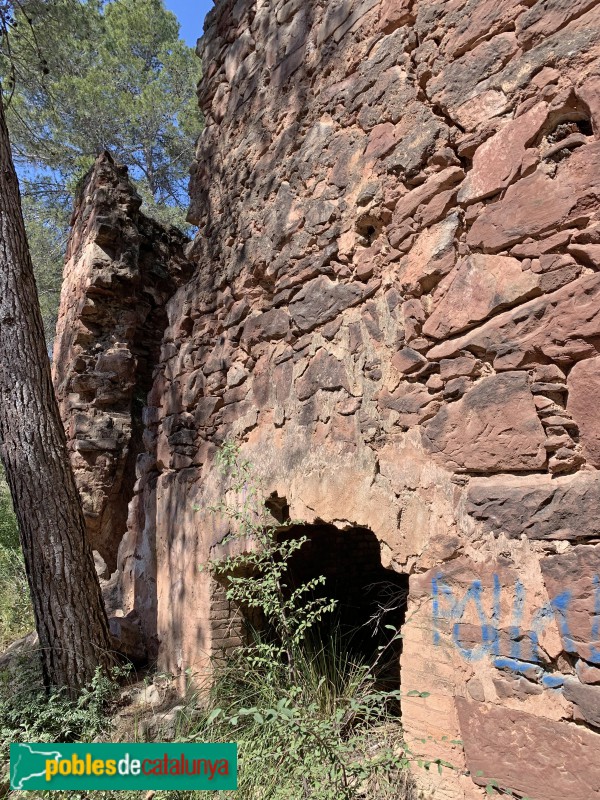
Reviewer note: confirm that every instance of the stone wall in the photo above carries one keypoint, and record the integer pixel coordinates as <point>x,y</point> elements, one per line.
<point>395,307</point>
<point>121,268</point>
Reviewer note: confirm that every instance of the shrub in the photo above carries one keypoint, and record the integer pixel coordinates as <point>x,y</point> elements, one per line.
<point>29,714</point>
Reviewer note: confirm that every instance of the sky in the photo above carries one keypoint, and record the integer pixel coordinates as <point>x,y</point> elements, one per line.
<point>190,14</point>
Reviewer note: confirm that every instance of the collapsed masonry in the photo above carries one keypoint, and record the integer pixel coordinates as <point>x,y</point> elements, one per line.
<point>121,268</point>
<point>394,303</point>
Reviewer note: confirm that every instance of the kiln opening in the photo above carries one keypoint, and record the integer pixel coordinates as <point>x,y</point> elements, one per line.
<point>371,600</point>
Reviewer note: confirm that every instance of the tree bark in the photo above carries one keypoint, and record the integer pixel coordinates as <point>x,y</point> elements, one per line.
<point>69,611</point>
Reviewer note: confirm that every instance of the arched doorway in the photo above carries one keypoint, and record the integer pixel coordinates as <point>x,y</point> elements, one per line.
<point>371,600</point>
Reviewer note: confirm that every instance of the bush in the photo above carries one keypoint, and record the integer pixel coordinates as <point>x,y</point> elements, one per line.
<point>29,714</point>
<point>329,735</point>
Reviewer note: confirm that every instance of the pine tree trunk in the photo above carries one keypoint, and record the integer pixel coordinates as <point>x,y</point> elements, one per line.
<point>69,611</point>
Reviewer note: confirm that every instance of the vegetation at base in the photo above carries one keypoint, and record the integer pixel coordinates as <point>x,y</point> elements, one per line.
<point>96,75</point>
<point>329,734</point>
<point>29,714</point>
<point>16,613</point>
<point>309,718</point>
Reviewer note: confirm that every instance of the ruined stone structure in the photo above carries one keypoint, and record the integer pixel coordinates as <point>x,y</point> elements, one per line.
<point>121,268</point>
<point>394,305</point>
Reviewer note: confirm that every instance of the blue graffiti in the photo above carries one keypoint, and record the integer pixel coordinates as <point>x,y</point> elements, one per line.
<point>489,631</point>
<point>517,619</point>
<point>514,665</point>
<point>455,610</point>
<point>560,606</point>
<point>439,587</point>
<point>544,617</point>
<point>449,609</point>
<point>552,681</point>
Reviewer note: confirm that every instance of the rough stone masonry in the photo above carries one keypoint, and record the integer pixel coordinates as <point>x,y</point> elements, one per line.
<point>393,302</point>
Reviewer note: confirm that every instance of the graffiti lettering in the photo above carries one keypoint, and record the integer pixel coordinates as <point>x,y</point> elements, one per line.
<point>522,653</point>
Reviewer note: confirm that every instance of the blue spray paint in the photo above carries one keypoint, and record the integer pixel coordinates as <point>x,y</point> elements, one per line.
<point>542,618</point>
<point>438,586</point>
<point>494,631</point>
<point>446,606</point>
<point>521,667</point>
<point>517,619</point>
<point>552,681</point>
<point>560,605</point>
<point>455,610</point>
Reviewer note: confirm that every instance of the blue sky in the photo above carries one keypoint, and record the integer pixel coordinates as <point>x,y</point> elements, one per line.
<point>190,14</point>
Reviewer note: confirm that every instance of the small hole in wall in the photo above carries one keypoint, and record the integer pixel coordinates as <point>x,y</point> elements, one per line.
<point>367,234</point>
<point>572,118</point>
<point>279,508</point>
<point>368,228</point>
<point>566,129</point>
<point>564,135</point>
<point>585,127</point>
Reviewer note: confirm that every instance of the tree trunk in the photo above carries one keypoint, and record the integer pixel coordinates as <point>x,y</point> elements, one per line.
<point>69,611</point>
